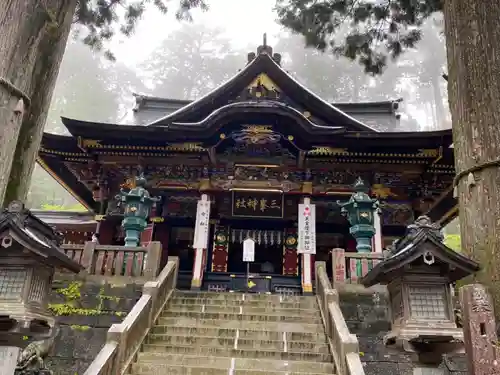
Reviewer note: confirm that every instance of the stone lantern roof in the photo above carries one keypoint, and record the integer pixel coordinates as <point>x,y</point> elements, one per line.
<point>18,224</point>
<point>421,245</point>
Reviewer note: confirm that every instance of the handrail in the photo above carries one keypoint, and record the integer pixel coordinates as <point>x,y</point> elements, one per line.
<point>343,344</point>
<point>124,340</point>
<point>348,267</point>
<point>110,260</point>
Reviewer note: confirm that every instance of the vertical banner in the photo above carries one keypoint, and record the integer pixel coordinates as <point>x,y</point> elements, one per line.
<point>307,229</point>
<point>201,228</point>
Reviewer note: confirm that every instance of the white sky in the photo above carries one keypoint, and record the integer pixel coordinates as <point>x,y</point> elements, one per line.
<point>259,18</point>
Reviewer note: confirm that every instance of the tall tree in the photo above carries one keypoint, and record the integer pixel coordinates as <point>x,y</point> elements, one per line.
<point>191,61</point>
<point>88,88</point>
<point>472,31</point>
<point>34,35</point>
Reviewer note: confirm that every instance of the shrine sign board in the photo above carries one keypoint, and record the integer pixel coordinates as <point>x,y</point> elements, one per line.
<point>307,229</point>
<point>202,225</point>
<point>258,204</point>
<point>249,250</point>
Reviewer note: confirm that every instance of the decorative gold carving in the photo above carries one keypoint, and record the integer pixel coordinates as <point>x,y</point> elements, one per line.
<point>428,152</point>
<point>184,147</point>
<point>89,143</point>
<point>307,187</point>
<point>205,184</point>
<point>256,134</point>
<point>382,191</point>
<point>258,129</point>
<point>129,183</point>
<point>320,150</point>
<point>157,219</point>
<point>263,80</point>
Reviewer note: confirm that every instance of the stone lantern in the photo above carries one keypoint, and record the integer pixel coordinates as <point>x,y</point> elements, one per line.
<point>138,204</point>
<point>359,211</point>
<point>419,272</point>
<point>29,256</point>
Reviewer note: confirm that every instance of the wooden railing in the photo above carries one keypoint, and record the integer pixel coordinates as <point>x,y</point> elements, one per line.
<point>107,260</point>
<point>350,267</point>
<point>124,340</point>
<point>343,345</point>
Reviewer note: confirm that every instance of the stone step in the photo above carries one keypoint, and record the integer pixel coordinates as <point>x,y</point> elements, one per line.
<point>260,333</point>
<point>279,326</point>
<point>152,360</point>
<point>162,369</point>
<point>302,303</point>
<point>161,348</point>
<point>227,316</point>
<point>243,308</point>
<point>240,343</point>
<point>214,296</point>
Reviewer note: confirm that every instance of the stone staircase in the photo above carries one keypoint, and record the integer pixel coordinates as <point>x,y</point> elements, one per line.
<point>202,333</point>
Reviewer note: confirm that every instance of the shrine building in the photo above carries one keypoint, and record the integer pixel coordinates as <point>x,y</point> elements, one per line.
<point>254,148</point>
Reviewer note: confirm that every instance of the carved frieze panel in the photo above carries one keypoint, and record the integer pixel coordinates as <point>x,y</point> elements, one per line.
<point>395,213</point>
<point>256,151</point>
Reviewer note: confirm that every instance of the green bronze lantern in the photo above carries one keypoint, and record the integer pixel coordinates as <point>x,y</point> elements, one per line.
<point>359,211</point>
<point>138,204</point>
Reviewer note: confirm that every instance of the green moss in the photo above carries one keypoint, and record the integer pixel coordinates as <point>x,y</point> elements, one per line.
<point>80,328</point>
<point>72,295</point>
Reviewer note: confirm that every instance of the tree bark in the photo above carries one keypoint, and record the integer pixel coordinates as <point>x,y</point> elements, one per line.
<point>34,35</point>
<point>472,35</point>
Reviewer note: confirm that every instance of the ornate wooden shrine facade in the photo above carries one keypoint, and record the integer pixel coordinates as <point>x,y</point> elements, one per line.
<point>256,147</point>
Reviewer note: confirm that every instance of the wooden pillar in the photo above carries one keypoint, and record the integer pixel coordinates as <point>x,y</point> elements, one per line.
<point>107,231</point>
<point>161,234</point>
<point>200,241</point>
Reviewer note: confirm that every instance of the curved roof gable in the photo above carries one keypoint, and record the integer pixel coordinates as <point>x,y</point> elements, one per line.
<point>228,91</point>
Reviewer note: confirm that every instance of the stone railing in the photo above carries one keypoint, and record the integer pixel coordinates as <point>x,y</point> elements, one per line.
<point>343,345</point>
<point>350,267</point>
<point>107,260</point>
<point>124,340</point>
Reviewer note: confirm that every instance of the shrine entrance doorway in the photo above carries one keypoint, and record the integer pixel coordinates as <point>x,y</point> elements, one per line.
<point>268,251</point>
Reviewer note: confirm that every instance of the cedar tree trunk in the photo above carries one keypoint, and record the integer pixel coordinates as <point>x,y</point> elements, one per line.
<point>32,43</point>
<point>472,41</point>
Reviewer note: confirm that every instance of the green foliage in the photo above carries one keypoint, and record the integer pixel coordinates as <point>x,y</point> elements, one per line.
<point>72,296</point>
<point>80,328</point>
<point>101,18</point>
<point>207,59</point>
<point>453,241</point>
<point>377,29</point>
<point>56,207</point>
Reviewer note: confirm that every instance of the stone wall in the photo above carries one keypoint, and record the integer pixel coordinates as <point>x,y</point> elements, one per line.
<point>367,315</point>
<point>85,311</point>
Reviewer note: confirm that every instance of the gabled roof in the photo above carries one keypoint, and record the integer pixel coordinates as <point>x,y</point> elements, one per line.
<point>411,247</point>
<point>34,235</point>
<point>263,63</point>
